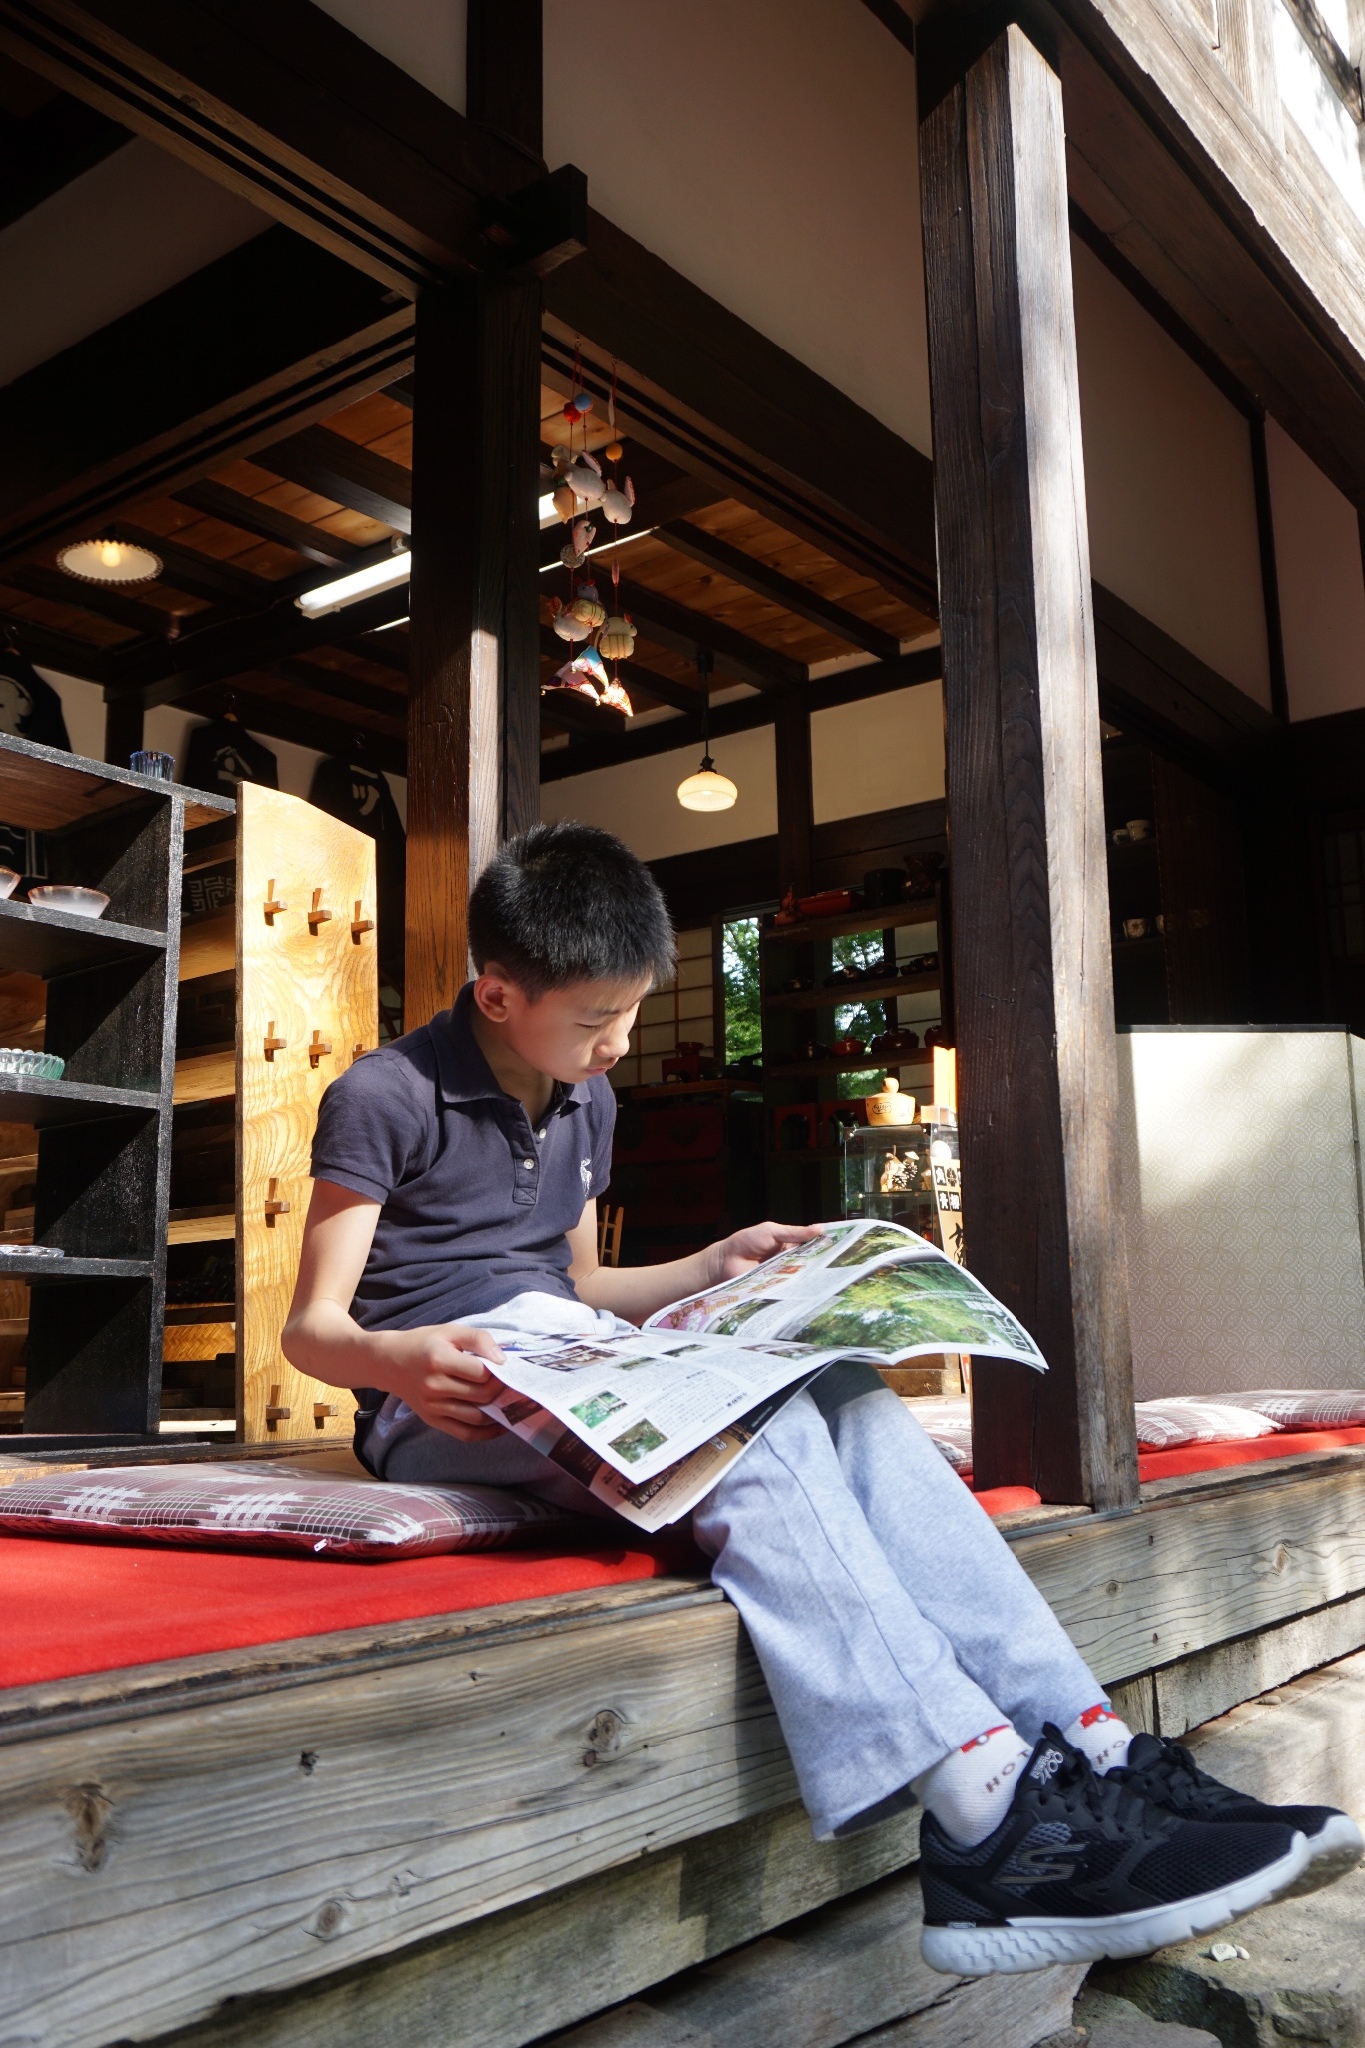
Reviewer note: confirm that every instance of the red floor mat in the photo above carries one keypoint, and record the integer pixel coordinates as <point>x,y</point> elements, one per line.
<point>1186,1458</point>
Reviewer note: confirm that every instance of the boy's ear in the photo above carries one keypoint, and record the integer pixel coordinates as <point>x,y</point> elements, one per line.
<point>491,991</point>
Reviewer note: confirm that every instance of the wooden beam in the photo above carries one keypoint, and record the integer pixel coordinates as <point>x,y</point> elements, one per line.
<point>797,598</point>
<point>504,70</point>
<point>40,155</point>
<point>795,801</point>
<point>682,631</point>
<point>99,599</point>
<point>893,16</point>
<point>270,717</point>
<point>164,674</point>
<point>122,730</point>
<point>248,349</point>
<point>354,476</point>
<point>222,583</point>
<point>473,644</point>
<point>1038,1093</point>
<point>280,103</point>
<point>345,688</point>
<point>236,509</point>
<point>709,392</point>
<point>47,648</point>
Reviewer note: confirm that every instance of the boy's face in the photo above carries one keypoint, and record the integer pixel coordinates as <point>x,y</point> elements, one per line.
<point>568,1033</point>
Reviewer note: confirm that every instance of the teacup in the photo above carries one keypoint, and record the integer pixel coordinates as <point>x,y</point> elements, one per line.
<point>1139,828</point>
<point>1134,927</point>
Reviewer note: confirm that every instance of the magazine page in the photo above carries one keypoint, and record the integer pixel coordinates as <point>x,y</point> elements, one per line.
<point>865,1287</point>
<point>641,1402</point>
<point>654,1503</point>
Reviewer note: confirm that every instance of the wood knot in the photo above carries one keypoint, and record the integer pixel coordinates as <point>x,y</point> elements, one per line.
<point>330,1918</point>
<point>90,1809</point>
<point>308,1762</point>
<point>604,1737</point>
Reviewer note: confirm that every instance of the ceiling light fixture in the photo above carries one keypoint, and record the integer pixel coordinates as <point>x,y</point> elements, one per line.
<point>344,590</point>
<point>109,561</point>
<point>707,789</point>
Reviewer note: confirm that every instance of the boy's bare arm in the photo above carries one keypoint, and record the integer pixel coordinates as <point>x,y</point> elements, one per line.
<point>439,1371</point>
<point>637,1292</point>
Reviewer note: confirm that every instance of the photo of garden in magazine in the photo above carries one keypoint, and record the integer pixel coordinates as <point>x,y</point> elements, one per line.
<point>649,1420</point>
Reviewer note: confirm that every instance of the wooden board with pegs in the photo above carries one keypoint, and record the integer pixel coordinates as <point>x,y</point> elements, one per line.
<point>307,1006</point>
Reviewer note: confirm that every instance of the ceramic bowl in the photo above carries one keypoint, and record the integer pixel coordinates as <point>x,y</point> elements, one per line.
<point>9,882</point>
<point>67,896</point>
<point>44,1065</point>
<point>32,1251</point>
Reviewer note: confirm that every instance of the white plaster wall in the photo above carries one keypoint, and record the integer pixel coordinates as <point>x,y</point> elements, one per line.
<point>425,38</point>
<point>1322,585</point>
<point>878,754</point>
<point>640,803</point>
<point>1241,1191</point>
<point>132,227</point>
<point>767,149</point>
<point>1169,486</point>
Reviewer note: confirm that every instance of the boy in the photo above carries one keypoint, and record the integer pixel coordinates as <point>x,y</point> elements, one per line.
<point>907,1653</point>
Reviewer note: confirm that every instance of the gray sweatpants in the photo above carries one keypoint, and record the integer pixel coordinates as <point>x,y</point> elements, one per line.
<point>890,1617</point>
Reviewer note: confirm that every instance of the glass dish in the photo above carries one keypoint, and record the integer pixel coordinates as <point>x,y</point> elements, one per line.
<point>9,882</point>
<point>44,1066</point>
<point>67,896</point>
<point>31,1251</point>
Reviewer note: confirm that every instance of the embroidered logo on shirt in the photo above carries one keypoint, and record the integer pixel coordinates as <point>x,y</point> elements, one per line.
<point>585,1168</point>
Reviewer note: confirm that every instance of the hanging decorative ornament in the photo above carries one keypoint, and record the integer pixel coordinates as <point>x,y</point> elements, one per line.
<point>574,553</point>
<point>613,451</point>
<point>587,608</point>
<point>585,674</point>
<point>618,503</point>
<point>616,699</point>
<point>616,641</point>
<point>566,624</point>
<point>564,500</point>
<point>585,479</point>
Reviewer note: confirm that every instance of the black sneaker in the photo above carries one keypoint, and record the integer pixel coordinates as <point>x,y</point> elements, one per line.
<point>1168,1776</point>
<point>1083,1867</point>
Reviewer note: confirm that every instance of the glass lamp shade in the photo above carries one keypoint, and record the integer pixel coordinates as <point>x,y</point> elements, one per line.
<point>109,561</point>
<point>706,790</point>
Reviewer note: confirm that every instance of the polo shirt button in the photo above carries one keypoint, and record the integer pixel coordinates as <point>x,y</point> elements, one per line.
<point>540,1134</point>
<point>529,1164</point>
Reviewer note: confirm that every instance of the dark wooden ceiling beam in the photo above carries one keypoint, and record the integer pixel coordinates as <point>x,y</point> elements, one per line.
<point>797,598</point>
<point>249,515</point>
<point>102,600</point>
<point>246,351</point>
<point>40,155</point>
<point>165,674</point>
<point>272,718</point>
<point>344,687</point>
<point>682,631</point>
<point>197,575</point>
<point>45,647</point>
<point>343,470</point>
<point>280,103</point>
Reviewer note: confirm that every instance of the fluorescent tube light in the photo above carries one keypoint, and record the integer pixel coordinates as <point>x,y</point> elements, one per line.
<point>344,590</point>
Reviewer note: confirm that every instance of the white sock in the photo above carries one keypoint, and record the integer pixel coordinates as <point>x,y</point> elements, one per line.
<point>970,1790</point>
<point>1102,1735</point>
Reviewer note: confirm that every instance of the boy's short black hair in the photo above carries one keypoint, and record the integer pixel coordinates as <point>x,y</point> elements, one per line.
<point>565,903</point>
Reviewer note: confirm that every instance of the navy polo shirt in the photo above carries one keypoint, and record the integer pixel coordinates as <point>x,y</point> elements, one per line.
<point>475,1199</point>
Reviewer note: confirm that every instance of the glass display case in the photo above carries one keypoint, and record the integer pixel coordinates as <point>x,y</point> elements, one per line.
<point>907,1173</point>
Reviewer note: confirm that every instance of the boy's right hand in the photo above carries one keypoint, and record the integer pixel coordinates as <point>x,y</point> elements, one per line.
<point>442,1373</point>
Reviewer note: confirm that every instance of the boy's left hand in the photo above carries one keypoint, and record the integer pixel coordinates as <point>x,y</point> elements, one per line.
<point>745,1249</point>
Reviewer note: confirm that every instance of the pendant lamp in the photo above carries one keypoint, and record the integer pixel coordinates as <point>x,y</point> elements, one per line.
<point>109,561</point>
<point>707,790</point>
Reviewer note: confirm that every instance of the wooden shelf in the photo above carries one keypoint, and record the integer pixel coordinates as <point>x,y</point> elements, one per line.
<point>15,1267</point>
<point>854,992</point>
<point>49,942</point>
<point>45,787</point>
<point>216,1227</point>
<point>850,1063</point>
<point>872,918</point>
<point>24,1099</point>
<point>205,1077</point>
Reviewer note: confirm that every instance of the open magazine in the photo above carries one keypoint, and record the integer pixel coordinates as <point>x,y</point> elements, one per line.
<point>650,1420</point>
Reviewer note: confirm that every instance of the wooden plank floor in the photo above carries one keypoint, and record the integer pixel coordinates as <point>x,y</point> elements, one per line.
<point>181,1833</point>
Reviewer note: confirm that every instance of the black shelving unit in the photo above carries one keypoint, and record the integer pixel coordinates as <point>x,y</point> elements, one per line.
<point>803,1184</point>
<point>93,1362</point>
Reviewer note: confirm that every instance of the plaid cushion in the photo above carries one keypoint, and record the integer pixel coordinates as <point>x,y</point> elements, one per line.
<point>1310,1408</point>
<point>271,1507</point>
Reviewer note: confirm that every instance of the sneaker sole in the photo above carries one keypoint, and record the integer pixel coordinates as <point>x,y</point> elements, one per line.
<point>1031,1944</point>
<point>1333,1851</point>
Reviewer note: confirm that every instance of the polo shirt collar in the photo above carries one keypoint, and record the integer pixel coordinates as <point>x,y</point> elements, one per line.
<point>465,1074</point>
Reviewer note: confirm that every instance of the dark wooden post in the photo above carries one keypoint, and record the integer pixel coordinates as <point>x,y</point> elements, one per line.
<point>122,726</point>
<point>1025,804</point>
<point>473,705</point>
<point>795,807</point>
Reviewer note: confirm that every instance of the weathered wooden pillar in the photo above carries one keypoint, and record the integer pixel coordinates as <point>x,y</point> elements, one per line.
<point>473,705</point>
<point>1034,998</point>
<point>795,804</point>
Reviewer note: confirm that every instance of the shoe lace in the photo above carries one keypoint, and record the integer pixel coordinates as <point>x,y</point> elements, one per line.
<point>1079,1789</point>
<point>1176,1779</point>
